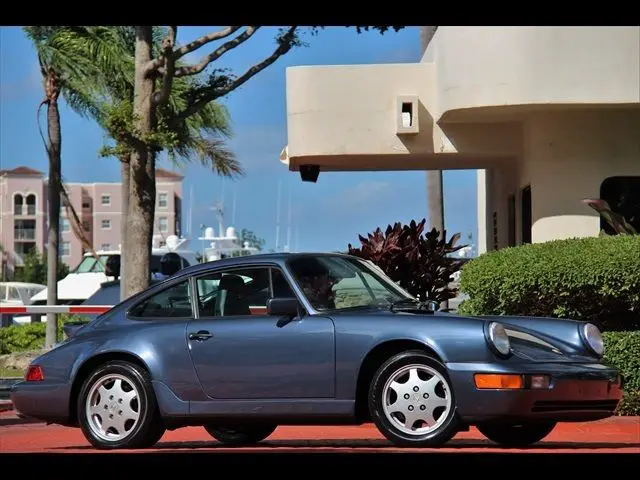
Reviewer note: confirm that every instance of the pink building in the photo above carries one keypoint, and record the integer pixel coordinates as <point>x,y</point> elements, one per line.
<point>23,214</point>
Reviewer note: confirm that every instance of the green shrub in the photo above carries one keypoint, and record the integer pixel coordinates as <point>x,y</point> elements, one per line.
<point>622,350</point>
<point>630,405</point>
<point>594,279</point>
<point>31,336</point>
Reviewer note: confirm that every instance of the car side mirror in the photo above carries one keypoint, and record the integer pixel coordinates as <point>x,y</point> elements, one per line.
<point>283,306</point>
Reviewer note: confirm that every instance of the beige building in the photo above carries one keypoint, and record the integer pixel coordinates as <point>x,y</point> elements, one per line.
<point>547,116</point>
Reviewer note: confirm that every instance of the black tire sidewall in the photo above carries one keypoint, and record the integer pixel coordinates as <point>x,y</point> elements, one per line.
<point>442,434</point>
<point>147,426</point>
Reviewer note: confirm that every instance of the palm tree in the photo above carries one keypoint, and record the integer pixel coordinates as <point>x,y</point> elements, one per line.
<point>64,72</point>
<point>109,101</point>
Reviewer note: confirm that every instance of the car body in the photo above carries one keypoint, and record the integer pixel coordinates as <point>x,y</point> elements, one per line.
<point>242,345</point>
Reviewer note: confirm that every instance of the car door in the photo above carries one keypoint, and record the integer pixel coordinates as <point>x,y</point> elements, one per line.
<point>240,352</point>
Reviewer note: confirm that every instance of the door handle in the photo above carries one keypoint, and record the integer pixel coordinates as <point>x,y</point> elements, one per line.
<point>200,335</point>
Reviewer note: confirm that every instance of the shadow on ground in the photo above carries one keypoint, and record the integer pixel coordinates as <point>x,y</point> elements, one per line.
<point>369,444</point>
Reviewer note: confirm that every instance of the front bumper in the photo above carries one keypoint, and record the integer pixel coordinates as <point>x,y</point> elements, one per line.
<point>42,400</point>
<point>578,392</point>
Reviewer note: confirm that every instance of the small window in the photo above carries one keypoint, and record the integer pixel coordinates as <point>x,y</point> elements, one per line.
<point>240,292</point>
<point>64,225</point>
<point>162,200</point>
<point>17,204</point>
<point>163,224</point>
<point>105,246</point>
<point>105,224</point>
<point>65,249</point>
<point>172,302</point>
<point>105,199</point>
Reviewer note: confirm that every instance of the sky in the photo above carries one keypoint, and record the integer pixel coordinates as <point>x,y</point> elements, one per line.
<point>258,116</point>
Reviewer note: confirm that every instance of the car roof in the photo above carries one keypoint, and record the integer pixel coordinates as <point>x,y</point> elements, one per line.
<point>257,258</point>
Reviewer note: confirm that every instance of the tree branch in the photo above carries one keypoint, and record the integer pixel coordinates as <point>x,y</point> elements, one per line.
<point>168,44</point>
<point>156,64</point>
<point>217,53</point>
<point>285,43</point>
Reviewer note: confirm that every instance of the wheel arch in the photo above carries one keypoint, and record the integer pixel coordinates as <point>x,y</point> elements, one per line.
<point>88,366</point>
<point>376,356</point>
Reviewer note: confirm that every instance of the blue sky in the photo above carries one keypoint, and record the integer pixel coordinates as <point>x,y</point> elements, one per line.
<point>258,113</point>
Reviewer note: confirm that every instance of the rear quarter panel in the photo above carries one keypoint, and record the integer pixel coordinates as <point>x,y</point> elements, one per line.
<point>160,345</point>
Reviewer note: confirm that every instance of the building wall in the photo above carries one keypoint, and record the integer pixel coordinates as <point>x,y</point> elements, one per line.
<point>566,157</point>
<point>98,206</point>
<point>23,186</point>
<point>534,65</point>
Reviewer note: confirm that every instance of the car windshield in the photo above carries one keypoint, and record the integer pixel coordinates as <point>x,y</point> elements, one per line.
<point>335,283</point>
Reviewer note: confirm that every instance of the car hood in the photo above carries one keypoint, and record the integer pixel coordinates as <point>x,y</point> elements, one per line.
<point>534,338</point>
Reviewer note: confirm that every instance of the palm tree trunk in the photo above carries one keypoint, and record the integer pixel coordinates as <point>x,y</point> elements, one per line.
<point>125,163</point>
<point>55,145</point>
<point>436,208</point>
<point>142,187</point>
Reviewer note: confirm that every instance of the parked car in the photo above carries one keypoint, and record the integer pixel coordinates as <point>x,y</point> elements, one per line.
<point>243,345</point>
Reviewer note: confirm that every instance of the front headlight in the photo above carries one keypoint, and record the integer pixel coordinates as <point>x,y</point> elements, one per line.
<point>592,338</point>
<point>499,339</point>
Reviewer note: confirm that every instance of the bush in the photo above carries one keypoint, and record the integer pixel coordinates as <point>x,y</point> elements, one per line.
<point>593,279</point>
<point>419,262</point>
<point>31,336</point>
<point>622,350</point>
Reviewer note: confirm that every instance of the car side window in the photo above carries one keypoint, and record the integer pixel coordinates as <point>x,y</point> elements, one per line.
<point>172,302</point>
<point>240,292</point>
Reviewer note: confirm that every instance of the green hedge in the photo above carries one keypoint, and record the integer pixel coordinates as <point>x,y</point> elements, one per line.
<point>31,336</point>
<point>592,279</point>
<point>622,350</point>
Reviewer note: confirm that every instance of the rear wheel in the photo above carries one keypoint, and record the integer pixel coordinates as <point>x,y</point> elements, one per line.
<point>411,401</point>
<point>517,435</point>
<point>245,435</point>
<point>117,408</point>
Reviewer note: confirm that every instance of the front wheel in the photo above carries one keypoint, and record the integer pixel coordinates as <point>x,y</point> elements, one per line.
<point>245,435</point>
<point>411,401</point>
<point>517,435</point>
<point>117,408</point>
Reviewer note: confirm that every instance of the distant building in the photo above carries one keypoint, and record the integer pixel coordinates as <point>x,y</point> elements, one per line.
<point>547,116</point>
<point>23,214</point>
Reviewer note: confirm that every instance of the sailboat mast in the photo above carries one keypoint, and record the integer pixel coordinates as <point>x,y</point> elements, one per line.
<point>278,216</point>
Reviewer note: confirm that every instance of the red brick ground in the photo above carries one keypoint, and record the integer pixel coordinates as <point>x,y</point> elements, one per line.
<point>614,435</point>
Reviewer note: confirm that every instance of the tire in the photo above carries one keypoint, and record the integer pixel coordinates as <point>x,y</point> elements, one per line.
<point>245,435</point>
<point>141,424</point>
<point>517,435</point>
<point>439,401</point>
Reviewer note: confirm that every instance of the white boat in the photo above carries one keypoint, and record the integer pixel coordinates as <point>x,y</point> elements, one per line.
<point>17,294</point>
<point>223,246</point>
<point>88,276</point>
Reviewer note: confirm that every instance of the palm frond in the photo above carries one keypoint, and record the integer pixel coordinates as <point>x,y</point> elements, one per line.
<point>214,153</point>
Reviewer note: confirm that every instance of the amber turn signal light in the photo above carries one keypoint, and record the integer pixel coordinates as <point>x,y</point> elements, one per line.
<point>498,381</point>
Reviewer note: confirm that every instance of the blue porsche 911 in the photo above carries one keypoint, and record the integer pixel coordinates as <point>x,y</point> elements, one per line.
<point>243,345</point>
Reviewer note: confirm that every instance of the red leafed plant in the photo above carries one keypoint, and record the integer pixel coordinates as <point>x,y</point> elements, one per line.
<point>419,262</point>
